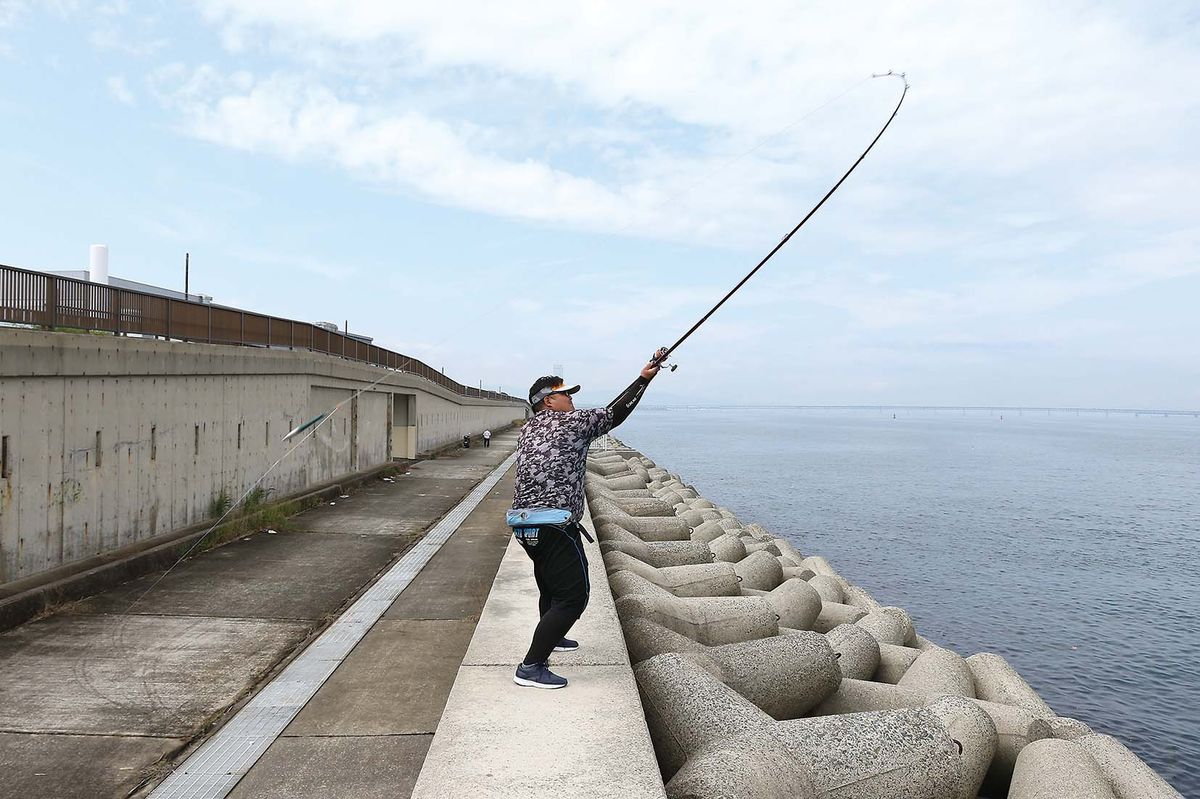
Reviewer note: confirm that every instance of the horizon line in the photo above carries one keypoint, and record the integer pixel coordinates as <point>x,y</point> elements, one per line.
<point>877,406</point>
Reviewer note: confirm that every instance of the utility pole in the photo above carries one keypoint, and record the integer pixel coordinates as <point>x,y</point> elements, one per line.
<point>187,258</point>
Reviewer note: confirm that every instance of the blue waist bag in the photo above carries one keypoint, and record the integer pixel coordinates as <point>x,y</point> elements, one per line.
<point>527,522</point>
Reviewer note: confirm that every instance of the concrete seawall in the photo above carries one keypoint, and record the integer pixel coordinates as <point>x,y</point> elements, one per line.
<point>765,673</point>
<point>109,441</point>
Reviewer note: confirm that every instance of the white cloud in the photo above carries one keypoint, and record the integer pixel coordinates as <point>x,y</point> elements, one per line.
<point>451,164</point>
<point>11,11</point>
<point>111,37</point>
<point>120,91</point>
<point>655,95</point>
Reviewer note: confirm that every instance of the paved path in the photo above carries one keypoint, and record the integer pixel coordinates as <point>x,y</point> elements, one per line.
<point>367,730</point>
<point>94,698</point>
<point>502,741</point>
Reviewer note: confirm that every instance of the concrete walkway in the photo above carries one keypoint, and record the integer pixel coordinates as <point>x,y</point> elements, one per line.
<point>94,698</point>
<point>499,740</point>
<point>367,730</point>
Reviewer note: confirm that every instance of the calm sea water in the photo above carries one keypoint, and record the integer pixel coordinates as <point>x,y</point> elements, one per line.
<point>1068,544</point>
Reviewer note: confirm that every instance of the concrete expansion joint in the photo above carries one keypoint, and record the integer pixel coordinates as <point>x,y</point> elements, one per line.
<point>81,734</point>
<point>765,673</point>
<point>352,736</point>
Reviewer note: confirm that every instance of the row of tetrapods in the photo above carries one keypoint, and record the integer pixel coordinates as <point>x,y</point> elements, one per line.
<point>765,674</point>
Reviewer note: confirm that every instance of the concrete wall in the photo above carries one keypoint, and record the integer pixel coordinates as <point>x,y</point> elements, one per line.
<point>111,441</point>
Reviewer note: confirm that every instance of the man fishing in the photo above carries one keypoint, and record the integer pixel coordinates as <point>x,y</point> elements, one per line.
<point>552,459</point>
<point>548,504</point>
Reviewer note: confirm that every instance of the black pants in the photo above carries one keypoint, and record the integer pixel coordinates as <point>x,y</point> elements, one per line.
<point>561,571</point>
<point>487,442</point>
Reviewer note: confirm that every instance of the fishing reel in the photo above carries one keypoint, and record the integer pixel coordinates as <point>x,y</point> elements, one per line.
<point>661,362</point>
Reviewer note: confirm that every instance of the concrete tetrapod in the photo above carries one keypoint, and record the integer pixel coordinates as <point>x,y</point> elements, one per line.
<point>619,483</point>
<point>795,601</point>
<point>830,588</point>
<point>671,497</point>
<point>608,529</point>
<point>818,564</point>
<point>608,467</point>
<point>704,579</point>
<point>759,570</point>
<point>859,598</point>
<point>996,681</point>
<point>627,583</point>
<point>707,620</point>
<point>756,533</point>
<point>682,496</point>
<point>785,676</point>
<point>695,518</point>
<point>728,548</point>
<point>594,488</point>
<point>603,505</point>
<point>1068,729</point>
<point>896,753</point>
<point>894,661</point>
<point>939,671</point>
<point>901,753</point>
<point>709,530</point>
<point>650,528</point>
<point>788,551</point>
<point>645,638</point>
<point>753,545</point>
<point>661,553</point>
<point>1053,769</point>
<point>857,650</point>
<point>832,614</point>
<point>692,716</point>
<point>790,571</point>
<point>889,625</point>
<point>1015,727</point>
<point>1128,775</point>
<point>972,729</point>
<point>747,766</point>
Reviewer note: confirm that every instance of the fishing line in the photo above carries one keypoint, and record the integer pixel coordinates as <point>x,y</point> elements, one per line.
<point>310,428</point>
<point>661,359</point>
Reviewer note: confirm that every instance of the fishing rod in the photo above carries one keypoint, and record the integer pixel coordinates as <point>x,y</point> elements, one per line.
<point>660,359</point>
<point>306,430</point>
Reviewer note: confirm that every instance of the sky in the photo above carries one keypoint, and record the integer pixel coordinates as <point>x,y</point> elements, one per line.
<point>499,188</point>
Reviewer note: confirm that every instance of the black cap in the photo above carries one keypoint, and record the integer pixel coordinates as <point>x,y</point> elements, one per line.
<point>545,386</point>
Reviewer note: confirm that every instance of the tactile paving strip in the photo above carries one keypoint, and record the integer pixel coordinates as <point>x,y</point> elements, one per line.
<point>214,769</point>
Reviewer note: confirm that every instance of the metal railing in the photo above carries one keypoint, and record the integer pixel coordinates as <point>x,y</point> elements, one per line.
<point>52,301</point>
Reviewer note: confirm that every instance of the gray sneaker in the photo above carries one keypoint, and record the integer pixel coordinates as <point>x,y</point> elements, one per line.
<point>538,676</point>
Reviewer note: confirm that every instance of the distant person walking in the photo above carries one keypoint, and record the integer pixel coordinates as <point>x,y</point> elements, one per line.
<point>548,504</point>
<point>487,438</point>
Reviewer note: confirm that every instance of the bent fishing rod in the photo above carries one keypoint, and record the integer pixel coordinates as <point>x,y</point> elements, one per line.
<point>659,360</point>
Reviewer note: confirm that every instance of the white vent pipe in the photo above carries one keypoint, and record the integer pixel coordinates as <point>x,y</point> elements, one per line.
<point>98,264</point>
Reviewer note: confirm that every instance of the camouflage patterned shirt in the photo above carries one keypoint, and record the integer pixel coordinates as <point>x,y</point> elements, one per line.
<point>552,458</point>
